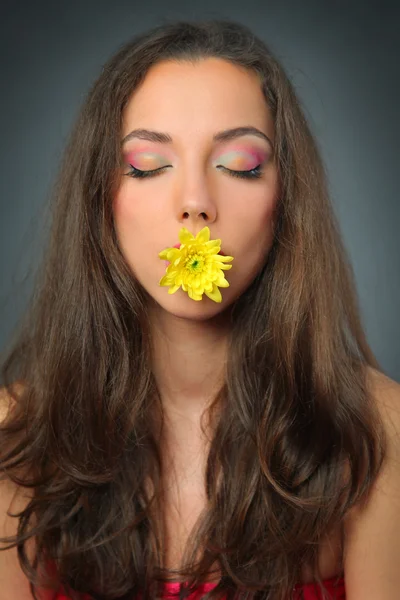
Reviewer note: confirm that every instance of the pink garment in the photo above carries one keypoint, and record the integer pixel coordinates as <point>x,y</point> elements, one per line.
<point>303,591</point>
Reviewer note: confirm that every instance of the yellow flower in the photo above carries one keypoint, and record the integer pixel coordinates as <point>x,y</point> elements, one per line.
<point>196,266</point>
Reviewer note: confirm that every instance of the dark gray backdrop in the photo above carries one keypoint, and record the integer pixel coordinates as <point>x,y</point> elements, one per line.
<point>342,57</point>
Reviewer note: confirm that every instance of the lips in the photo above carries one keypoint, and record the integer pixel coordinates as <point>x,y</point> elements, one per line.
<point>178,245</point>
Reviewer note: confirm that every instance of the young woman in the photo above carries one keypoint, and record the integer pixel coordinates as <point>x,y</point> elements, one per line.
<point>191,398</point>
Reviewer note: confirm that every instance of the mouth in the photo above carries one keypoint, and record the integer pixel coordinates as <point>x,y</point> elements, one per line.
<point>178,245</point>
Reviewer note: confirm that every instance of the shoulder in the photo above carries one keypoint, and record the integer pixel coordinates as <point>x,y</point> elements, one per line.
<point>386,394</point>
<point>7,404</point>
<point>12,500</point>
<point>386,390</point>
<point>7,399</point>
<point>372,531</point>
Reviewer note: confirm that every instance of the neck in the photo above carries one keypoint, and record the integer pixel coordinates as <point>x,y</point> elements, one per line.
<point>188,361</point>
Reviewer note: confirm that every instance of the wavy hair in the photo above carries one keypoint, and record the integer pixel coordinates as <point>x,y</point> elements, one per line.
<point>297,439</point>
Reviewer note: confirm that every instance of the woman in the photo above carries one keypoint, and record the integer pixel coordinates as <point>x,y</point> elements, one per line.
<point>192,397</point>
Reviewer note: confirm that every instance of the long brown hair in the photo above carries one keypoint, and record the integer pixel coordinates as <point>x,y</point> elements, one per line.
<point>298,440</point>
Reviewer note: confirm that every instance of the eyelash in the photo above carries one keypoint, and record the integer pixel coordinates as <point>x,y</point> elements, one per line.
<point>251,174</point>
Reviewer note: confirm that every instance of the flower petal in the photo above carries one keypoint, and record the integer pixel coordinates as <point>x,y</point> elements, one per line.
<point>215,294</point>
<point>185,235</point>
<point>222,258</point>
<point>173,289</point>
<point>221,281</point>
<point>178,278</point>
<point>163,254</point>
<point>173,254</point>
<point>166,280</point>
<point>203,236</point>
<point>193,295</point>
<point>213,247</point>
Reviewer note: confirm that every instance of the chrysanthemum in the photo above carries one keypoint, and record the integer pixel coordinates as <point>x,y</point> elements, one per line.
<point>196,266</point>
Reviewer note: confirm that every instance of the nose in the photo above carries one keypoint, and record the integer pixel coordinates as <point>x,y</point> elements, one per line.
<point>197,213</point>
<point>195,199</point>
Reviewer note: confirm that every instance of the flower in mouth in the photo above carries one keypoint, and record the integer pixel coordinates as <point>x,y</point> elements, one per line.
<point>196,266</point>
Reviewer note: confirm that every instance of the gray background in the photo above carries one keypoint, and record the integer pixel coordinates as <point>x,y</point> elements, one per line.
<point>343,59</point>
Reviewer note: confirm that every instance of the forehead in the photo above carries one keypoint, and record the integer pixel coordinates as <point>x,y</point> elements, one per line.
<point>212,93</point>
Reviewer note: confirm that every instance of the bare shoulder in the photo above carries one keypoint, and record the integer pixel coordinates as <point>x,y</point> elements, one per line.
<point>7,399</point>
<point>5,403</point>
<point>386,389</point>
<point>372,532</point>
<point>13,582</point>
<point>386,393</point>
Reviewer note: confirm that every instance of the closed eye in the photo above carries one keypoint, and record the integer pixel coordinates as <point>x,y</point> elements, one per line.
<point>254,173</point>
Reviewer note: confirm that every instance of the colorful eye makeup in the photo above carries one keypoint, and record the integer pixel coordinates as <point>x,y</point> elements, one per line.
<point>144,160</point>
<point>241,159</point>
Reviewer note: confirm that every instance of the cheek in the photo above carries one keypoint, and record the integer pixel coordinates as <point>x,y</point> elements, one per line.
<point>131,216</point>
<point>254,234</point>
<point>123,208</point>
<point>253,221</point>
<point>127,222</point>
<point>136,233</point>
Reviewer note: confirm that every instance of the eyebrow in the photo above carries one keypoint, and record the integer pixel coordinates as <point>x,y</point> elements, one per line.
<point>221,136</point>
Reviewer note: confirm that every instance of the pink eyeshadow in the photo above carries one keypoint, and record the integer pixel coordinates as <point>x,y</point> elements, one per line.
<point>247,158</point>
<point>129,157</point>
<point>258,155</point>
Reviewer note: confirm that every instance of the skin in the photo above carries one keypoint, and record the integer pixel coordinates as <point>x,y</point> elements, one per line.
<point>192,103</point>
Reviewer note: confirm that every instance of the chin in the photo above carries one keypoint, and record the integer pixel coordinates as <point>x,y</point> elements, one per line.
<point>182,306</point>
